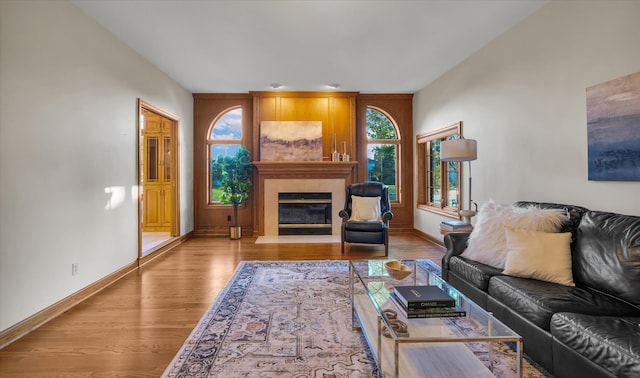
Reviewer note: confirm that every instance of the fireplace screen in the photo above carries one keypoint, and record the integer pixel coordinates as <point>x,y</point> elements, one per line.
<point>304,213</point>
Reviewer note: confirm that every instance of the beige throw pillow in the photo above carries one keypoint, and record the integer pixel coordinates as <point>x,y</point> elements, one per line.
<point>365,208</point>
<point>540,255</point>
<point>487,242</point>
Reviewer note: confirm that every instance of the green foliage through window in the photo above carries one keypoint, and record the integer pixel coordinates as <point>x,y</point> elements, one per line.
<point>224,141</point>
<point>379,126</point>
<point>382,151</point>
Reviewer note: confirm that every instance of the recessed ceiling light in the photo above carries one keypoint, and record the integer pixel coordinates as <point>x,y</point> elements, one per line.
<point>275,85</point>
<point>334,85</point>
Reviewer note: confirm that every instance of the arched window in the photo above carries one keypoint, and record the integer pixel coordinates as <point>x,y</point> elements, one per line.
<point>224,138</point>
<point>383,151</point>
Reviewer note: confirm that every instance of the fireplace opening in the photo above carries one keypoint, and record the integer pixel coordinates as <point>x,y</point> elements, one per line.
<point>304,213</point>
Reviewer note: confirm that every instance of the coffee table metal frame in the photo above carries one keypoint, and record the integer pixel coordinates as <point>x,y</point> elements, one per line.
<point>370,277</point>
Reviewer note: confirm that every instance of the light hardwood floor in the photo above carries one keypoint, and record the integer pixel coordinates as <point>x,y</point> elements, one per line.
<point>134,327</point>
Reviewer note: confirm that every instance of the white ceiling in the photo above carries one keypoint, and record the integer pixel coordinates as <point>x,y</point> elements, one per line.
<point>225,46</point>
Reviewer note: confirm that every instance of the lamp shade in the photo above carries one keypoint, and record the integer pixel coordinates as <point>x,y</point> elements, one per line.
<point>458,150</point>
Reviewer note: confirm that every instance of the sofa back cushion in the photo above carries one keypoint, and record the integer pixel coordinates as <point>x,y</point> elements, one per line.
<point>607,254</point>
<point>574,213</point>
<point>488,241</point>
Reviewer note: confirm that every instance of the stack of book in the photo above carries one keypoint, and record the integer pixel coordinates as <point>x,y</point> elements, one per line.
<point>455,226</point>
<point>425,302</point>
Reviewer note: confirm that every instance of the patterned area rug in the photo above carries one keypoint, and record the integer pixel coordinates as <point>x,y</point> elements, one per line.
<point>281,319</point>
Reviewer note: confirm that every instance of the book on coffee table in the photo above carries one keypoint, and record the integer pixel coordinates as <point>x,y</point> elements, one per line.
<point>418,297</point>
<point>429,312</point>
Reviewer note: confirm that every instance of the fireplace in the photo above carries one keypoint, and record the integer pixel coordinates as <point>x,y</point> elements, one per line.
<point>273,187</point>
<point>304,213</point>
<point>299,177</point>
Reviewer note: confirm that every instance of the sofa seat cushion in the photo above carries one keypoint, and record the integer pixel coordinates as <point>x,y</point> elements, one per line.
<point>537,300</point>
<point>365,226</point>
<point>611,342</point>
<point>364,237</point>
<point>475,273</point>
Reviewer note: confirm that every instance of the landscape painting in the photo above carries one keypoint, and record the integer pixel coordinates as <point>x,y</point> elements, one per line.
<point>613,129</point>
<point>291,141</point>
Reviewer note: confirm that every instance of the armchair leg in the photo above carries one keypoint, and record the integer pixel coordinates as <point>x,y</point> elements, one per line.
<point>386,249</point>
<point>342,245</point>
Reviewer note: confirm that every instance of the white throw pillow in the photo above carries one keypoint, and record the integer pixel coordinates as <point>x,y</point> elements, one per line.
<point>365,208</point>
<point>487,242</point>
<point>540,255</point>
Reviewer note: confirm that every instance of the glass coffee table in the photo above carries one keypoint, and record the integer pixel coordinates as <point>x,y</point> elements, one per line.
<point>465,346</point>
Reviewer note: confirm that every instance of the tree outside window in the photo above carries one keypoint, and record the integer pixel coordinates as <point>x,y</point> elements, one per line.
<point>224,139</point>
<point>383,146</point>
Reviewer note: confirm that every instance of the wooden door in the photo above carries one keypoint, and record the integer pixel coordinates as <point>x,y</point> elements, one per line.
<point>158,167</point>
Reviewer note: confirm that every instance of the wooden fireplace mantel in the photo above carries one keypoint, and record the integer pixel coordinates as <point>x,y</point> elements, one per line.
<point>305,169</point>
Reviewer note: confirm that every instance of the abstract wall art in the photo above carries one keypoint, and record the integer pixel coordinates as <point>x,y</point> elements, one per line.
<point>291,141</point>
<point>613,129</point>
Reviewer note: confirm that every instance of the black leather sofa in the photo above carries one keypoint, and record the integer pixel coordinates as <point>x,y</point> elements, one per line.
<point>589,330</point>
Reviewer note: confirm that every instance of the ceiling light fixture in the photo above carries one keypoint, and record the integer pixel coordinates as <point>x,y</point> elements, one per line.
<point>275,85</point>
<point>334,85</point>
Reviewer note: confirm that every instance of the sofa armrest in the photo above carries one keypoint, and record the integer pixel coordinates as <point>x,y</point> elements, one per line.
<point>456,243</point>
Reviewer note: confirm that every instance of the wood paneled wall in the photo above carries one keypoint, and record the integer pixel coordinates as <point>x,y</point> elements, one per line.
<point>336,110</point>
<point>212,219</point>
<point>342,113</point>
<point>400,108</point>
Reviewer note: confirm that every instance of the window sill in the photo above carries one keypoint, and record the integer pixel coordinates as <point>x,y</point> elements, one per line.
<point>436,210</point>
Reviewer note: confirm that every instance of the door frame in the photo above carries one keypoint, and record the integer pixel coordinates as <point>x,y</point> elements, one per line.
<point>175,159</point>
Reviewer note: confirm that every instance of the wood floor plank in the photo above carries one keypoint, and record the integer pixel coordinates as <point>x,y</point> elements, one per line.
<point>134,327</point>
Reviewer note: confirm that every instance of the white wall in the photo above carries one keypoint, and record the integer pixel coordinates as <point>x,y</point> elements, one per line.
<point>523,98</point>
<point>68,91</point>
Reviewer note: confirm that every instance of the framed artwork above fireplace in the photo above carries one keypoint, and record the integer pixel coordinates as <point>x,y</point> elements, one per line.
<point>291,141</point>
